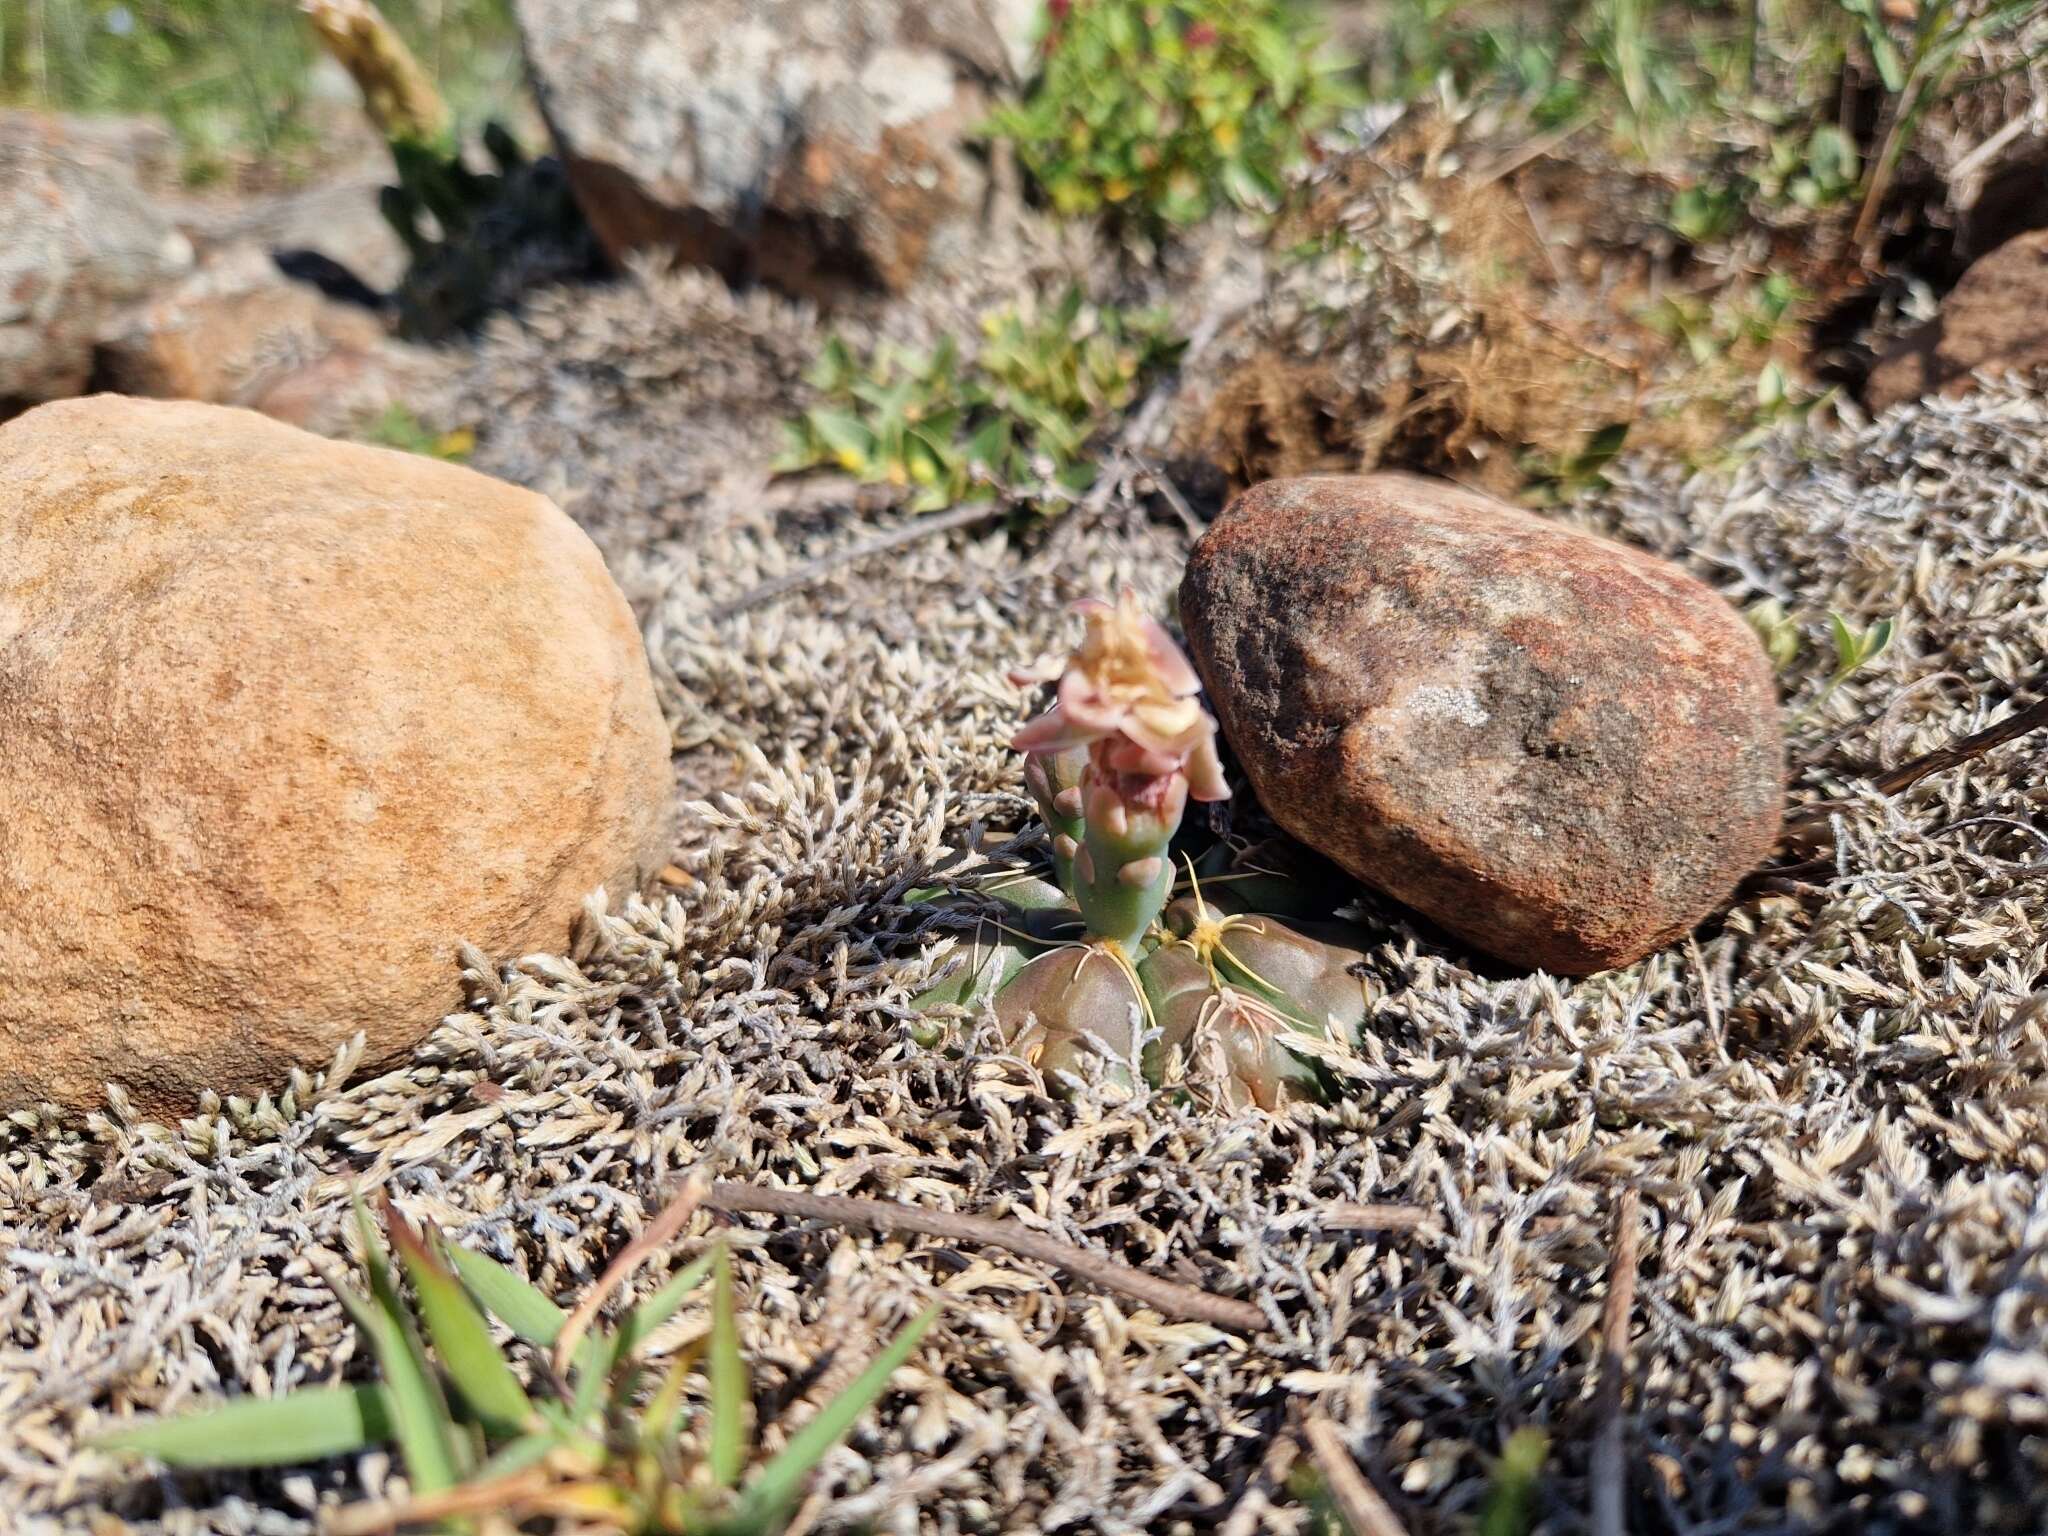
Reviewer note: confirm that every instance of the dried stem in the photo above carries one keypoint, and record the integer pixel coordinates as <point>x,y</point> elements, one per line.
<point>923,527</point>
<point>657,1234</point>
<point>2032,718</point>
<point>1166,1296</point>
<point>397,93</point>
<point>1609,1471</point>
<point>1364,1511</point>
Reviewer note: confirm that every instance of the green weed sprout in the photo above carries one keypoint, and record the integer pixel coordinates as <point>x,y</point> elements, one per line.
<point>483,1452</point>
<point>1111,960</point>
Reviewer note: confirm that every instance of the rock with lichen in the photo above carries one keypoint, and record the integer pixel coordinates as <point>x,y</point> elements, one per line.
<point>819,145</point>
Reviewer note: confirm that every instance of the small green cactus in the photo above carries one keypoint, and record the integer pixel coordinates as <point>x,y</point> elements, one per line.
<point>1110,962</point>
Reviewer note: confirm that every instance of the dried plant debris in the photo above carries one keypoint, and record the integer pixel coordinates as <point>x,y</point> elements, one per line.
<point>1832,1104</point>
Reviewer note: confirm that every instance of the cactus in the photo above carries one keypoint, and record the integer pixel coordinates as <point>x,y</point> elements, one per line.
<point>1110,961</point>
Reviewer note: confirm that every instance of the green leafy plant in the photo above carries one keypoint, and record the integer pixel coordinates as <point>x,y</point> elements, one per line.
<point>1580,473</point>
<point>1022,412</point>
<point>480,1449</point>
<point>1854,648</point>
<point>1157,112</point>
<point>1108,958</point>
<point>1777,631</point>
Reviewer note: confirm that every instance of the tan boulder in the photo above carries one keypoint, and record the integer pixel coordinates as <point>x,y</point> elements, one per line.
<point>286,721</point>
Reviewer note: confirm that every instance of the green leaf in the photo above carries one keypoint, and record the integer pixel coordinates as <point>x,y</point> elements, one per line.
<point>661,1306</point>
<point>529,1314</point>
<point>598,1356</point>
<point>772,1490</point>
<point>517,1455</point>
<point>307,1425</point>
<point>419,1416</point>
<point>841,433</point>
<point>728,1373</point>
<point>1846,641</point>
<point>1510,1507</point>
<point>459,1333</point>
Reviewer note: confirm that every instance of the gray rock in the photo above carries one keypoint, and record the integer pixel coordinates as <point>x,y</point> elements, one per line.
<point>818,145</point>
<point>1563,750</point>
<point>82,242</point>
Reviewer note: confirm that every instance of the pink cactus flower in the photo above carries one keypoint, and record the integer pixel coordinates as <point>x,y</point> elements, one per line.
<point>1130,697</point>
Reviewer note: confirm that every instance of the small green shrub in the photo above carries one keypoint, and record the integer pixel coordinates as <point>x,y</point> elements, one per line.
<point>1156,112</point>
<point>1021,413</point>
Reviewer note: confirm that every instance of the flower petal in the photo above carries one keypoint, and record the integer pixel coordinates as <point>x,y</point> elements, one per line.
<point>1205,771</point>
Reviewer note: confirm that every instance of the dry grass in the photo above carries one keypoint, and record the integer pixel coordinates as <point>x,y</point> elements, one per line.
<point>1832,1104</point>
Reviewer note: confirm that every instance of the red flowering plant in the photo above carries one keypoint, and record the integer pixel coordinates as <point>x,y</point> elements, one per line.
<point>1106,959</point>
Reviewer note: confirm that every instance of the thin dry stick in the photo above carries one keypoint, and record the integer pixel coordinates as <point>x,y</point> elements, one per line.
<point>2032,718</point>
<point>1352,1216</point>
<point>814,570</point>
<point>1357,1500</point>
<point>1808,821</point>
<point>1609,1476</point>
<point>1167,1296</point>
<point>657,1234</point>
<point>498,1495</point>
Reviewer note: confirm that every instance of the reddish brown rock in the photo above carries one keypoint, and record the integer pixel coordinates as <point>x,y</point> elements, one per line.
<point>1994,321</point>
<point>1565,751</point>
<point>287,721</point>
<point>238,332</point>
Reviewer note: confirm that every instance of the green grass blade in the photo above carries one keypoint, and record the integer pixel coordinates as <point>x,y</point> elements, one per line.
<point>419,1415</point>
<point>517,1455</point>
<point>599,1356</point>
<point>775,1487</point>
<point>529,1314</point>
<point>459,1334</point>
<point>727,1451</point>
<point>659,1308</point>
<point>307,1425</point>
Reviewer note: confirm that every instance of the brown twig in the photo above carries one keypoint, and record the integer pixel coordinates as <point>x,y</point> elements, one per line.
<point>1364,1511</point>
<point>1353,1216</point>
<point>515,1495</point>
<point>922,527</point>
<point>1609,1473</point>
<point>2032,718</point>
<point>1167,1296</point>
<point>1805,825</point>
<point>658,1233</point>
